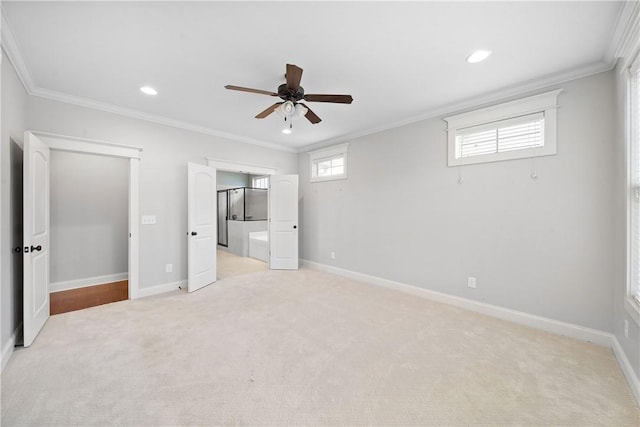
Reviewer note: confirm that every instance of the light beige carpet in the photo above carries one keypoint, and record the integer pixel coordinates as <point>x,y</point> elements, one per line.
<point>230,265</point>
<point>306,348</point>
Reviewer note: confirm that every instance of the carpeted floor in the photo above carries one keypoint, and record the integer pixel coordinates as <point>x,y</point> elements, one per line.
<point>306,348</point>
<point>230,265</point>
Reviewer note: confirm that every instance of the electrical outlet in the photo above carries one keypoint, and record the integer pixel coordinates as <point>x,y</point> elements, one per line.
<point>471,282</point>
<point>626,328</point>
<point>148,219</point>
<point>333,255</point>
<point>168,268</point>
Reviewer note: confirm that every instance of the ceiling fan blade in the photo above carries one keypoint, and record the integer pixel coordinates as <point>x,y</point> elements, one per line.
<point>269,110</point>
<point>246,89</point>
<point>294,75</point>
<point>311,116</point>
<point>339,99</point>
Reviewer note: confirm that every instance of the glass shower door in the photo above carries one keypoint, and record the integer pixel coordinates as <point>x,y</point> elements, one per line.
<point>223,207</point>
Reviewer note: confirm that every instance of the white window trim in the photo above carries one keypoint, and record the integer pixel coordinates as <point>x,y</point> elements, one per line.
<point>545,102</point>
<point>323,153</point>
<point>630,304</point>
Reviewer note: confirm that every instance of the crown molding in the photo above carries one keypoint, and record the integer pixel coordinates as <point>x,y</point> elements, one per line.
<point>500,95</point>
<point>620,32</point>
<point>136,114</point>
<point>626,38</point>
<point>10,47</point>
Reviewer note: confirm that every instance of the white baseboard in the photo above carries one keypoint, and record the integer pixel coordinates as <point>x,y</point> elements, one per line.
<point>537,322</point>
<point>160,289</point>
<point>7,349</point>
<point>89,281</point>
<point>627,369</point>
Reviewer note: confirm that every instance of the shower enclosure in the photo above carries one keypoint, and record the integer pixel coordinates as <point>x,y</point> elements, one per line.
<point>239,204</point>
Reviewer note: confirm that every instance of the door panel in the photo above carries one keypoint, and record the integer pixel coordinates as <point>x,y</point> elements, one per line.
<point>283,222</point>
<point>36,236</point>
<point>202,226</point>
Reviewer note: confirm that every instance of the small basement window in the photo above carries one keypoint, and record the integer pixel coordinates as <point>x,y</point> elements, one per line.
<point>513,130</point>
<point>328,163</point>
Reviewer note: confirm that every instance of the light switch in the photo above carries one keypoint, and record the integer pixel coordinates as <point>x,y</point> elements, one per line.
<point>148,219</point>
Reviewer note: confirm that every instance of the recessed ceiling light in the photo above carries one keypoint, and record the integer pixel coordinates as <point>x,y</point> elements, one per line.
<point>478,55</point>
<point>148,90</point>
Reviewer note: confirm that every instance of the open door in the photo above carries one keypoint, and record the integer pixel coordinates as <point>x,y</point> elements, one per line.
<point>283,222</point>
<point>202,202</point>
<point>36,236</point>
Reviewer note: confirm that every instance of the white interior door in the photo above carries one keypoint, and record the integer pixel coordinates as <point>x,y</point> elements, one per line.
<point>36,236</point>
<point>283,222</point>
<point>202,226</point>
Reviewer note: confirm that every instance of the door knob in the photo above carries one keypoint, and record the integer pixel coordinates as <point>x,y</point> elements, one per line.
<point>36,248</point>
<point>17,249</point>
<point>295,226</point>
<point>194,233</point>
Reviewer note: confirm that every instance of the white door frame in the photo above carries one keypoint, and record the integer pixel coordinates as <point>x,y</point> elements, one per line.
<point>239,167</point>
<point>91,146</point>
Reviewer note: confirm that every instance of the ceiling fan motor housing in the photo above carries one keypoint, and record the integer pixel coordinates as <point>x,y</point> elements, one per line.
<point>290,95</point>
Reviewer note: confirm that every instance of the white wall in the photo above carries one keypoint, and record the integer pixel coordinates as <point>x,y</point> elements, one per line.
<point>630,345</point>
<point>14,102</point>
<point>541,246</point>
<point>163,173</point>
<point>89,216</point>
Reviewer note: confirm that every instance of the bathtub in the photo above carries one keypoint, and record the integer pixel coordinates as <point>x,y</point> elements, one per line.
<point>259,245</point>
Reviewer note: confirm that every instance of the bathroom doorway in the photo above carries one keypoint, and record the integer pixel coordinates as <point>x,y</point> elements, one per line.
<point>242,213</point>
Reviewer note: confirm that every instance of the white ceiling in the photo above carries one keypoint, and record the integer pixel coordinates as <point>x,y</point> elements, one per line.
<point>399,61</point>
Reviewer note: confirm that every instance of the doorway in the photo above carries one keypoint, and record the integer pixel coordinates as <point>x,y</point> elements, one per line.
<point>242,217</point>
<point>89,230</point>
<point>235,175</point>
<point>37,148</point>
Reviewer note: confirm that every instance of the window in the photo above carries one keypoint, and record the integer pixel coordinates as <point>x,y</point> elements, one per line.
<point>633,192</point>
<point>513,130</point>
<point>329,163</point>
<point>260,182</point>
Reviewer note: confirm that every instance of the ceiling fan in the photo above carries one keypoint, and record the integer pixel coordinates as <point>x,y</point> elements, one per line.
<point>291,94</point>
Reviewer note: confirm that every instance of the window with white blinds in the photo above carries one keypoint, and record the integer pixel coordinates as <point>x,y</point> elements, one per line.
<point>513,130</point>
<point>519,133</point>
<point>634,186</point>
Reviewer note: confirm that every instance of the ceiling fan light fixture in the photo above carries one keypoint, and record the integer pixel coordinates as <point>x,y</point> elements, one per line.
<point>148,90</point>
<point>300,111</point>
<point>478,56</point>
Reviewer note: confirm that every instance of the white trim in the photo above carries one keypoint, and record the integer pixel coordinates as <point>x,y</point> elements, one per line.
<point>241,167</point>
<point>89,281</point>
<point>13,53</point>
<point>488,98</point>
<point>134,228</point>
<point>90,146</point>
<point>7,349</point>
<point>627,369</point>
<point>83,145</point>
<point>633,309</point>
<point>533,321</point>
<point>544,102</point>
<point>160,289</point>
<point>626,36</point>
<point>10,48</point>
<point>341,150</point>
